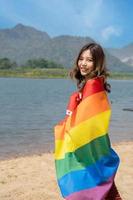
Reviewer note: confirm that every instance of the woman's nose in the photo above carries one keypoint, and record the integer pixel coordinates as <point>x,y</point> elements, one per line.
<point>83,62</point>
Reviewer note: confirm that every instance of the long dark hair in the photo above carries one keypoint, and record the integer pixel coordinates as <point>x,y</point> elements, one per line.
<point>100,69</point>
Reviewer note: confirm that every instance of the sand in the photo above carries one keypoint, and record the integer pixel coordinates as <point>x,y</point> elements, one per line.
<point>33,177</point>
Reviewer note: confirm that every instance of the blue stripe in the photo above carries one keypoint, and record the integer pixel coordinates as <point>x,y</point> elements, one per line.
<point>90,176</point>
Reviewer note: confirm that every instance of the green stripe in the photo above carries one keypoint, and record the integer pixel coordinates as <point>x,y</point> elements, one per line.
<point>83,156</point>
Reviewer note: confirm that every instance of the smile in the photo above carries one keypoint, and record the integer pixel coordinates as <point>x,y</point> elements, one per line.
<point>83,69</point>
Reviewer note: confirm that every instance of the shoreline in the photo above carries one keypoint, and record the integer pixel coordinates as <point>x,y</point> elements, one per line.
<point>29,152</point>
<point>40,152</point>
<point>33,177</point>
<point>54,73</point>
<point>50,150</point>
<point>62,77</point>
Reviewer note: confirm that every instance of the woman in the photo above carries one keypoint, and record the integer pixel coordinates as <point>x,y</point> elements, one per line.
<point>85,162</point>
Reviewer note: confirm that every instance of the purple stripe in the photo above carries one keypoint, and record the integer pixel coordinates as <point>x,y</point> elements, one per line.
<point>96,193</point>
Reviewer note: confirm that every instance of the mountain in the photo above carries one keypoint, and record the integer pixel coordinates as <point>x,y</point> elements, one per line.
<point>23,42</point>
<point>125,54</point>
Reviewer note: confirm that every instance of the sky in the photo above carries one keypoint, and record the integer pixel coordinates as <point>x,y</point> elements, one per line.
<point>108,22</point>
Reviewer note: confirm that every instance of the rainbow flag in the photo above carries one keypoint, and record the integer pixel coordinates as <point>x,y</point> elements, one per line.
<point>84,160</point>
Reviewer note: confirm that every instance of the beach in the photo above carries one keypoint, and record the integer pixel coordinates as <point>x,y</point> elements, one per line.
<point>33,177</point>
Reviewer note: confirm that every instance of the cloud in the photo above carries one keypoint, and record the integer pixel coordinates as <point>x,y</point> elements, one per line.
<point>66,17</point>
<point>110,31</point>
<point>87,11</point>
<point>59,17</point>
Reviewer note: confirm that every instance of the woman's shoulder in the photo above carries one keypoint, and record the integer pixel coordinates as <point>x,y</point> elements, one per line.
<point>97,79</point>
<point>93,86</point>
<point>95,82</point>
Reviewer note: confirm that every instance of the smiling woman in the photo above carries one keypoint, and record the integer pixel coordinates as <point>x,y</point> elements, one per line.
<point>85,63</point>
<point>90,63</point>
<point>85,162</point>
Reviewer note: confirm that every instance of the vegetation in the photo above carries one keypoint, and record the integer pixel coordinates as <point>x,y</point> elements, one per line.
<point>5,63</point>
<point>41,68</point>
<point>41,63</point>
<point>121,75</point>
<point>50,73</point>
<point>35,73</point>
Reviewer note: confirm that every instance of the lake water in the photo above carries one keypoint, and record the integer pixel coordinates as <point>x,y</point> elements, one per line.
<point>29,109</point>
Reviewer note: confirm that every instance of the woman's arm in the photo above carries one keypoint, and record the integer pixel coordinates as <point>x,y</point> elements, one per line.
<point>74,100</point>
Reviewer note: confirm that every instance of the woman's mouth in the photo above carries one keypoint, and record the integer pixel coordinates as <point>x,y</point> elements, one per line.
<point>83,69</point>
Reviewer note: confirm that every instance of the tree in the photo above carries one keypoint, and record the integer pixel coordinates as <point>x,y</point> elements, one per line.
<point>42,63</point>
<point>5,63</point>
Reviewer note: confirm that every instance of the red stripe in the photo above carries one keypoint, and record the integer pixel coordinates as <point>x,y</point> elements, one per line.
<point>93,86</point>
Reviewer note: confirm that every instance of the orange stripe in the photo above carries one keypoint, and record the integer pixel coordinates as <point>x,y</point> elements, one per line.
<point>88,108</point>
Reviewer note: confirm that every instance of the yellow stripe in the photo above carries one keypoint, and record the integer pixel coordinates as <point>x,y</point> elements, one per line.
<point>82,134</point>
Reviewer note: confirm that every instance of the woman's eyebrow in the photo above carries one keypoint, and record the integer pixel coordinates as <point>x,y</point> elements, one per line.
<point>89,57</point>
<point>86,57</point>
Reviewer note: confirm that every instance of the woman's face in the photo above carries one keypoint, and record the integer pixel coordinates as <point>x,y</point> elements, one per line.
<point>85,62</point>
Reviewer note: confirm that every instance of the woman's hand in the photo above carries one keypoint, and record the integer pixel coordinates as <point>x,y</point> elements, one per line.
<point>74,100</point>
